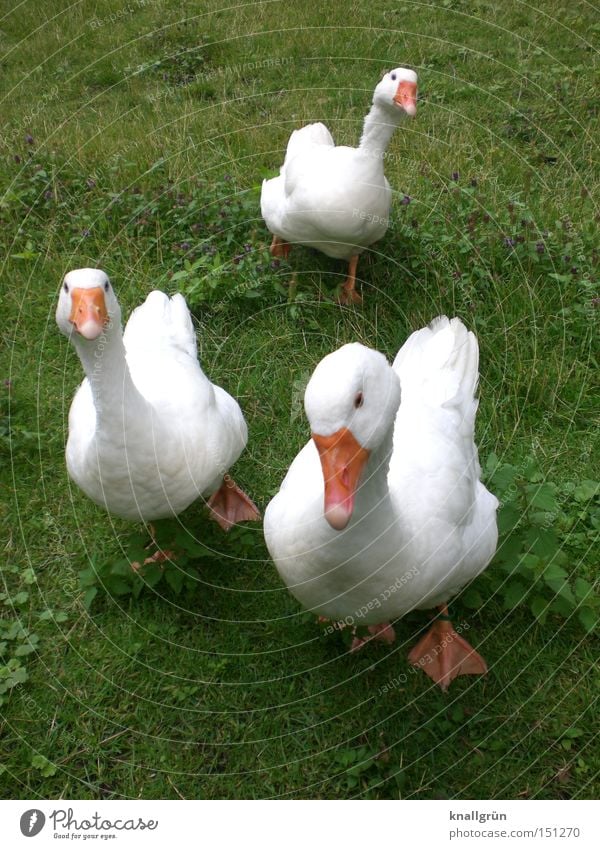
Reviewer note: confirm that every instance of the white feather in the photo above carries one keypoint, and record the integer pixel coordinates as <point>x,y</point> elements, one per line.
<point>155,433</point>
<point>423,524</point>
<point>336,199</point>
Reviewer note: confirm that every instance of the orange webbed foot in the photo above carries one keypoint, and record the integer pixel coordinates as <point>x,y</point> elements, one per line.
<point>230,505</point>
<point>444,655</point>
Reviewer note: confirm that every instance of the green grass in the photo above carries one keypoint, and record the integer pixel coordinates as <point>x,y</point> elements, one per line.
<point>230,689</point>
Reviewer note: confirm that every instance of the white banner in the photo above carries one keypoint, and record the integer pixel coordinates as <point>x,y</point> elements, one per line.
<point>300,824</point>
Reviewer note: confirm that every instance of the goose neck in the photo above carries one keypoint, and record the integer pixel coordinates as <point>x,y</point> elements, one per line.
<point>378,129</point>
<point>105,364</point>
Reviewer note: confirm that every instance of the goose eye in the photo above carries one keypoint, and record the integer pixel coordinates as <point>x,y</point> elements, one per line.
<point>106,287</point>
<point>393,76</point>
<point>66,288</point>
<point>358,401</point>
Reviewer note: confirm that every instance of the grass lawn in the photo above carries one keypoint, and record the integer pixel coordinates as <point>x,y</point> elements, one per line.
<point>135,136</point>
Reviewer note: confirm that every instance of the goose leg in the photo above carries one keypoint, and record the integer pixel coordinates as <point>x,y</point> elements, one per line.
<point>279,248</point>
<point>443,654</point>
<point>349,295</point>
<point>230,505</point>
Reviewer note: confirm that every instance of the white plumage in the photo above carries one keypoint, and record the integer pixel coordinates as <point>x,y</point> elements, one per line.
<point>148,432</point>
<point>420,524</point>
<point>337,199</point>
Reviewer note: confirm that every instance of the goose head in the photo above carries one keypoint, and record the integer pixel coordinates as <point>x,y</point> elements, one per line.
<point>397,92</point>
<point>351,403</point>
<point>87,305</point>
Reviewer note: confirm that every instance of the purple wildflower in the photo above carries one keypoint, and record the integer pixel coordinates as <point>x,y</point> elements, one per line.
<point>540,247</point>
<point>510,243</point>
<point>405,200</point>
<point>455,176</point>
<point>29,138</point>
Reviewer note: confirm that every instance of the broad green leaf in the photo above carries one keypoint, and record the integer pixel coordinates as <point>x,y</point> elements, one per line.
<point>532,472</point>
<point>502,478</point>
<point>542,496</point>
<point>509,549</point>
<point>582,588</point>
<point>122,569</point>
<point>514,594</point>
<point>554,572</point>
<point>562,607</point>
<point>174,578</point>
<point>586,490</point>
<point>42,764</point>
<point>89,596</point>
<point>117,586</point>
<point>530,563</point>
<point>588,618</point>
<point>20,598</point>
<point>541,541</point>
<point>562,589</point>
<point>152,573</point>
<point>25,649</point>
<point>509,517</point>
<point>87,577</point>
<point>472,598</point>
<point>539,608</point>
<point>17,676</point>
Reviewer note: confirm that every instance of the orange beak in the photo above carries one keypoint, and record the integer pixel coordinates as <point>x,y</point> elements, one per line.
<point>342,459</point>
<point>88,312</point>
<point>406,97</point>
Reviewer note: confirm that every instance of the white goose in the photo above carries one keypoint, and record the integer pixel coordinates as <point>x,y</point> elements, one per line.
<point>148,432</point>
<point>382,511</point>
<point>337,199</point>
